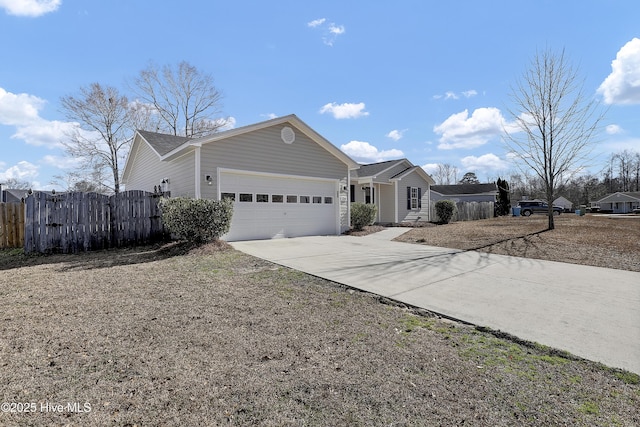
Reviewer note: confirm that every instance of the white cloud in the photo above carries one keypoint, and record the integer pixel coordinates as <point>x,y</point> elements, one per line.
<point>336,29</point>
<point>316,22</point>
<point>365,152</point>
<point>62,162</point>
<point>269,116</point>
<point>45,133</point>
<point>330,31</point>
<point>345,111</point>
<point>23,111</point>
<point>487,163</point>
<point>622,86</point>
<point>19,109</point>
<point>452,95</point>
<point>23,171</point>
<point>430,168</point>
<point>613,129</point>
<point>30,8</point>
<point>396,134</point>
<point>463,131</point>
<point>225,123</point>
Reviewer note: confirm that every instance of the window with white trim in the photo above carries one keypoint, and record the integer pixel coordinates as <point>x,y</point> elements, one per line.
<point>414,198</point>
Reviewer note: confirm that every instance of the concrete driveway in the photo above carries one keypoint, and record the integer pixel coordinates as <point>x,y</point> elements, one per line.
<point>591,312</point>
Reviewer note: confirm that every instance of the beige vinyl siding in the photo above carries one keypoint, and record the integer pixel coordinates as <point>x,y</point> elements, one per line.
<point>264,151</point>
<point>181,174</point>
<point>404,214</point>
<point>387,207</point>
<point>148,171</point>
<point>145,161</point>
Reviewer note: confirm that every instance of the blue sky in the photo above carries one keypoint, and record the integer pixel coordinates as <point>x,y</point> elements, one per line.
<point>425,80</point>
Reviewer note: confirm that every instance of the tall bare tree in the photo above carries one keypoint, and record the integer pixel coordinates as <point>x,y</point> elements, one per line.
<point>556,122</point>
<point>104,133</point>
<point>446,174</point>
<point>184,100</point>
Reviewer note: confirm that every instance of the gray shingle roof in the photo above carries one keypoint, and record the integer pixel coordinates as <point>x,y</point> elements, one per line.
<point>450,190</point>
<point>163,143</point>
<point>375,168</point>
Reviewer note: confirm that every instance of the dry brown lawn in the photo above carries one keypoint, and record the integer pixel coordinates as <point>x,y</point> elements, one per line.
<point>173,336</point>
<point>598,240</point>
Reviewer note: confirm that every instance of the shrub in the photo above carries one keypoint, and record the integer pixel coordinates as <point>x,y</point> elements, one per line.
<point>445,210</point>
<point>197,221</point>
<point>362,214</point>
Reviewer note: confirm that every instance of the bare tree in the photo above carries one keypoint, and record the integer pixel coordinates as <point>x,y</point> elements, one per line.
<point>446,174</point>
<point>105,130</point>
<point>555,121</point>
<point>184,100</point>
<point>15,184</point>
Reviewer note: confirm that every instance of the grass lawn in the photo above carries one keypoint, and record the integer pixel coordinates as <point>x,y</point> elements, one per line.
<point>210,336</point>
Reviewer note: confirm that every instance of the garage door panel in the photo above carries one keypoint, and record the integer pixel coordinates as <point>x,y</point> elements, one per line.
<point>266,220</point>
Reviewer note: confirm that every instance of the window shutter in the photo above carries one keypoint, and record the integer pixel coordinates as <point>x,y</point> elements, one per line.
<point>409,198</point>
<point>419,198</point>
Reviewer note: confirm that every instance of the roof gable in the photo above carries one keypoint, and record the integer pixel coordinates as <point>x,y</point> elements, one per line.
<point>459,189</point>
<point>292,119</point>
<point>373,169</point>
<point>620,197</point>
<point>163,143</point>
<point>413,169</point>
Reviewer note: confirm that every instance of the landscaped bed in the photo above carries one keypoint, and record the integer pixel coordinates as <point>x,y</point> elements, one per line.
<point>210,336</point>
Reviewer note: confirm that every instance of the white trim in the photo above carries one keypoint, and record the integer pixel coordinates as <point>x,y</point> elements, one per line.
<point>397,202</point>
<point>198,172</point>
<point>348,226</point>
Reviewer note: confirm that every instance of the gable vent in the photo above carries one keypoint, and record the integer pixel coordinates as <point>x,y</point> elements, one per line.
<point>288,135</point>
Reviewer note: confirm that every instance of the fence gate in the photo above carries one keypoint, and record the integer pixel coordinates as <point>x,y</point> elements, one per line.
<point>75,222</point>
<point>11,225</point>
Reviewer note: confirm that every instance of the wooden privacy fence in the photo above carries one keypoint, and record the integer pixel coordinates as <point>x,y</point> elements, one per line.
<point>468,211</point>
<point>75,222</point>
<point>11,225</point>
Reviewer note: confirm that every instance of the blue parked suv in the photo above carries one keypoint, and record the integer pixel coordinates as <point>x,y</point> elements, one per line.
<point>529,207</point>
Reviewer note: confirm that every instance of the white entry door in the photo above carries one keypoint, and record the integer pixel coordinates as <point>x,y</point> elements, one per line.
<point>268,206</point>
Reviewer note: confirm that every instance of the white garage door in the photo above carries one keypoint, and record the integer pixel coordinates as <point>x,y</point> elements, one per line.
<point>268,207</point>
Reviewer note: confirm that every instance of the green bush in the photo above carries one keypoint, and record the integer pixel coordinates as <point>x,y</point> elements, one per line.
<point>362,214</point>
<point>445,209</point>
<point>197,221</point>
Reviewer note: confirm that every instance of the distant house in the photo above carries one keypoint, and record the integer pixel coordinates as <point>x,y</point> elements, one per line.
<point>620,202</point>
<point>17,195</point>
<point>12,195</point>
<point>465,192</point>
<point>564,203</point>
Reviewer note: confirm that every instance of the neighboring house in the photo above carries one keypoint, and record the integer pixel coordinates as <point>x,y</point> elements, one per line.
<point>465,192</point>
<point>285,178</point>
<point>17,195</point>
<point>620,202</point>
<point>399,189</point>
<point>564,203</point>
<point>12,195</point>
